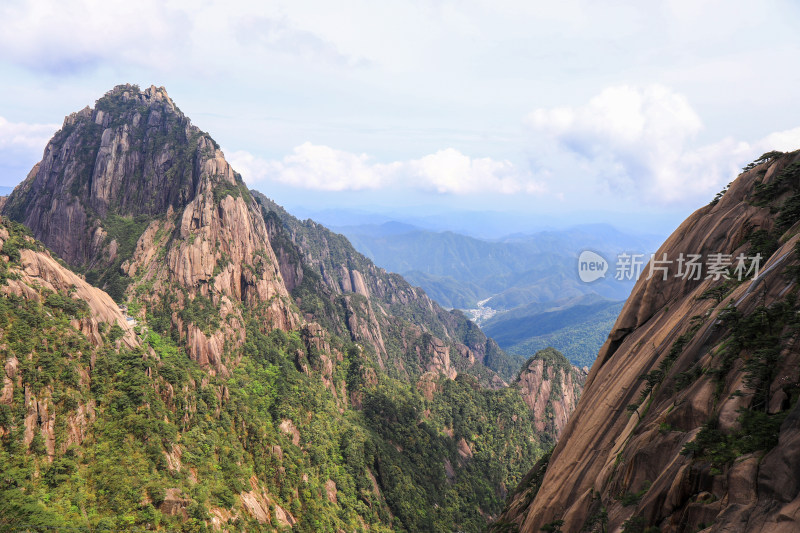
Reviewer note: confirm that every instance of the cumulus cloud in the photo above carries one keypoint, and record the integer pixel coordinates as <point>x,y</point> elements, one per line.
<point>68,36</point>
<point>450,171</point>
<point>311,166</point>
<point>447,171</point>
<point>639,141</point>
<point>23,136</point>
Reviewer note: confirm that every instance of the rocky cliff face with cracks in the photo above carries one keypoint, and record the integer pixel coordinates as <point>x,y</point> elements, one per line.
<point>689,419</point>
<point>405,332</point>
<point>551,387</point>
<point>144,202</point>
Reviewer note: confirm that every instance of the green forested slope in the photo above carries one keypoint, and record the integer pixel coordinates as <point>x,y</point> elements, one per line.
<point>153,409</point>
<point>275,377</point>
<point>578,329</point>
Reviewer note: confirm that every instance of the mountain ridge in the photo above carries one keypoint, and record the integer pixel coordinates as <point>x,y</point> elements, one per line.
<point>268,376</point>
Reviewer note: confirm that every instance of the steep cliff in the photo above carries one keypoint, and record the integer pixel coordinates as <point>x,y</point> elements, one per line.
<point>144,203</point>
<point>268,376</point>
<point>689,419</point>
<point>551,387</point>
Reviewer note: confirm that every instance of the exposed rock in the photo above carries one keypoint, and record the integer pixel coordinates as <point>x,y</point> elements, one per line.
<point>449,471</point>
<point>330,490</point>
<point>550,387</point>
<point>257,503</point>
<point>464,449</point>
<point>175,504</point>
<point>608,449</point>
<point>174,458</point>
<point>288,427</point>
<point>40,269</point>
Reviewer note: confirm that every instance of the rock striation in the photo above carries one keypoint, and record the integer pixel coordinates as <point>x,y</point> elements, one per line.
<point>550,387</point>
<point>144,202</point>
<point>689,417</point>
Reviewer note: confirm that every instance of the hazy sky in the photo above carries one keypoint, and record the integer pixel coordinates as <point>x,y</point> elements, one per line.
<point>635,110</point>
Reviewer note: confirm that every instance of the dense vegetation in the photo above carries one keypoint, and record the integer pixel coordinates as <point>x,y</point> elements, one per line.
<point>154,427</point>
<point>577,330</point>
<point>342,418</point>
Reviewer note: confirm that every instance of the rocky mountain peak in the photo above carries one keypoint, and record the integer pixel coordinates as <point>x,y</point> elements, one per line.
<point>133,154</point>
<point>132,193</point>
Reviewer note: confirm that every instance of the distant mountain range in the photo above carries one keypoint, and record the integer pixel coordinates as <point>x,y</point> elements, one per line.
<point>512,271</point>
<point>523,287</point>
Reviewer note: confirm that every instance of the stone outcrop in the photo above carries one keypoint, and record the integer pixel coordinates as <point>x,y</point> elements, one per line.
<point>658,437</point>
<point>134,193</point>
<point>550,387</point>
<point>378,305</point>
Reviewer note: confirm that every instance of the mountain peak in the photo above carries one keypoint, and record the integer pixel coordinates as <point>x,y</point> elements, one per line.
<point>134,154</point>
<point>132,92</point>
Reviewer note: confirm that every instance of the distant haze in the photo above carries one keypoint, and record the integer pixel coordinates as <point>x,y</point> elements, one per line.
<point>555,113</point>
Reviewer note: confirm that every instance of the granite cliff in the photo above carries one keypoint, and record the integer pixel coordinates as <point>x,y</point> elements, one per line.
<point>551,387</point>
<point>689,419</point>
<point>188,355</point>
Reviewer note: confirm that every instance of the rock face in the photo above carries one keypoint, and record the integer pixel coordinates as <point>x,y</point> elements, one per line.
<point>87,169</point>
<point>36,271</point>
<point>550,387</point>
<point>145,201</point>
<point>254,340</point>
<point>378,306</point>
<point>31,276</point>
<point>689,418</point>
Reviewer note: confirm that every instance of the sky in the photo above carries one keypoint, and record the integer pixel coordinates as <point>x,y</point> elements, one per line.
<point>577,111</point>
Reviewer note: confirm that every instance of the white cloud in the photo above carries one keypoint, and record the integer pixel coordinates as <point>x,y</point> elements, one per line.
<point>783,141</point>
<point>66,36</point>
<point>311,166</point>
<point>21,145</point>
<point>23,136</point>
<point>638,142</point>
<point>450,171</point>
<point>447,171</point>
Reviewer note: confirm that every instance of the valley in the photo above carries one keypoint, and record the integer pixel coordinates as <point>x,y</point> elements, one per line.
<point>523,290</point>
<point>181,353</point>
